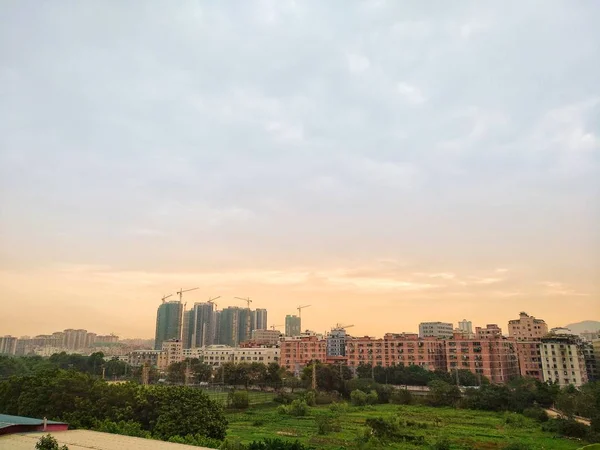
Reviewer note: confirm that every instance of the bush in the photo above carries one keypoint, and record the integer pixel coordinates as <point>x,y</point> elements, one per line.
<point>327,423</point>
<point>49,443</point>
<point>230,444</point>
<point>339,408</point>
<point>238,399</point>
<point>514,419</point>
<point>285,398</point>
<point>358,398</point>
<point>277,444</point>
<point>536,413</point>
<point>401,397</point>
<point>197,440</point>
<point>326,398</point>
<point>566,427</point>
<point>441,444</point>
<point>122,427</point>
<point>298,408</point>
<point>372,398</point>
<point>310,398</point>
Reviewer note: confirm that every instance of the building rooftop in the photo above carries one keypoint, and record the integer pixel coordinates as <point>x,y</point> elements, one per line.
<point>9,421</point>
<point>88,440</point>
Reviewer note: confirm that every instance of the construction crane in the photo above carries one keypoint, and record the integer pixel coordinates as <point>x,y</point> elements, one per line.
<point>212,301</point>
<point>339,326</point>
<point>248,330</point>
<point>166,297</point>
<point>300,308</point>
<point>181,291</point>
<point>275,326</point>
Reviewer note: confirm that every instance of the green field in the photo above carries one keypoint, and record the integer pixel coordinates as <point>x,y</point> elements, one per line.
<point>466,429</point>
<point>254,397</point>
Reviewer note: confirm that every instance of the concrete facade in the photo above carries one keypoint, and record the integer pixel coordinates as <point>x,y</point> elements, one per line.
<point>435,329</point>
<point>298,351</point>
<point>563,360</point>
<point>267,337</point>
<point>293,326</point>
<point>527,328</point>
<point>8,345</point>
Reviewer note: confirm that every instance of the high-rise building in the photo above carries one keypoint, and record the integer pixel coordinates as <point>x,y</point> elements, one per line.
<point>293,326</point>
<point>187,328</point>
<point>336,342</point>
<point>590,360</point>
<point>435,329</point>
<point>201,325</point>
<point>247,323</point>
<point>466,326</point>
<point>8,345</point>
<point>563,360</point>
<point>169,318</point>
<point>527,328</point>
<point>261,319</point>
<point>229,326</point>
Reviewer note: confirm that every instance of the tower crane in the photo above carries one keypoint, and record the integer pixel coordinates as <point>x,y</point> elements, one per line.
<point>339,326</point>
<point>300,308</point>
<point>181,291</point>
<point>212,301</point>
<point>166,297</point>
<point>248,330</point>
<point>275,326</point>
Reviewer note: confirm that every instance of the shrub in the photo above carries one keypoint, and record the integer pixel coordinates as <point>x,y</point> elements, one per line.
<point>327,423</point>
<point>514,419</point>
<point>326,398</point>
<point>238,399</point>
<point>285,398</point>
<point>372,398</point>
<point>282,409</point>
<point>401,397</point>
<point>566,427</point>
<point>441,444</point>
<point>358,398</point>
<point>49,443</point>
<point>230,444</point>
<point>298,408</point>
<point>277,444</point>
<point>258,422</point>
<point>310,398</point>
<point>122,427</point>
<point>536,413</point>
<point>339,408</point>
<point>197,440</point>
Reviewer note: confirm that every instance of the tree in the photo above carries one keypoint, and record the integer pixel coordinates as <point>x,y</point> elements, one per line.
<point>442,393</point>
<point>183,410</point>
<point>49,443</point>
<point>364,371</point>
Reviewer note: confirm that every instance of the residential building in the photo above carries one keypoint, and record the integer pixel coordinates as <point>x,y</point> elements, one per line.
<point>198,325</point>
<point>293,325</point>
<point>90,340</point>
<point>264,355</point>
<point>169,318</point>
<point>186,328</point>
<point>466,326</point>
<point>396,349</point>
<point>155,358</point>
<point>530,359</point>
<point>107,339</point>
<point>527,328</point>
<point>216,355</point>
<point>296,352</point>
<point>25,346</point>
<point>8,345</point>
<point>229,327</point>
<point>435,329</point>
<point>589,356</point>
<point>336,342</point>
<point>173,349</point>
<point>563,360</point>
<point>266,337</point>
<point>590,335</point>
<point>75,339</point>
<point>488,354</point>
<point>260,319</point>
<point>247,323</point>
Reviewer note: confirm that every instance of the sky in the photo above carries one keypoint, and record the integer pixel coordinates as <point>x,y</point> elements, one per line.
<point>385,162</point>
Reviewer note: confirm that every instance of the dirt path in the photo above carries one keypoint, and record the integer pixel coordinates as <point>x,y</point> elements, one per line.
<point>554,413</point>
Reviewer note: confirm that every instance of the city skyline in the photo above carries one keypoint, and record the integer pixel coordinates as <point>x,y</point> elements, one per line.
<point>387,163</point>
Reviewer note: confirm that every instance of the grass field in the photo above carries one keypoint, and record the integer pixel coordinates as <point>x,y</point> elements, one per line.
<point>466,429</point>
<point>254,397</point>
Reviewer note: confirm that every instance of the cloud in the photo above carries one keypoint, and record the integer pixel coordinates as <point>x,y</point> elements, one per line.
<point>357,63</point>
<point>411,93</point>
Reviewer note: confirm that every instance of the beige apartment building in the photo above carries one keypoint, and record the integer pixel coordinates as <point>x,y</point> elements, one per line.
<point>563,361</point>
<point>527,328</point>
<point>266,337</point>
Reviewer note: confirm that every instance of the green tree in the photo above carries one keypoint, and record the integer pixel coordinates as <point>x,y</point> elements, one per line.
<point>49,443</point>
<point>442,393</point>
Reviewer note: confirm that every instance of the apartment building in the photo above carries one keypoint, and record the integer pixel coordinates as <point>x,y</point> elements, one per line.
<point>8,345</point>
<point>530,359</point>
<point>527,328</point>
<point>435,329</point>
<point>298,351</point>
<point>405,349</point>
<point>563,360</point>
<point>488,354</point>
<point>293,325</point>
<point>263,355</point>
<point>155,358</point>
<point>589,355</point>
<point>266,337</point>
<point>173,349</point>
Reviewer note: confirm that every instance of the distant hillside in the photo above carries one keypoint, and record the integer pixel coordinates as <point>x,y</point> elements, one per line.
<point>586,325</point>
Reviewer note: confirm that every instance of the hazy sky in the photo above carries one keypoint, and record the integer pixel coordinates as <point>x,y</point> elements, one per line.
<point>386,162</point>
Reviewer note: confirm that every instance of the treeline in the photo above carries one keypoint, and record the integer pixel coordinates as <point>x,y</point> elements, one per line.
<point>86,401</point>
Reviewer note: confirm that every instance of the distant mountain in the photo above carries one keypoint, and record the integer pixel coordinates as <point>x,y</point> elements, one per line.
<point>586,325</point>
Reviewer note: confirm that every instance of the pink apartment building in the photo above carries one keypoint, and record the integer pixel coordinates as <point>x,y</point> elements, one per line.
<point>528,332</point>
<point>298,351</point>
